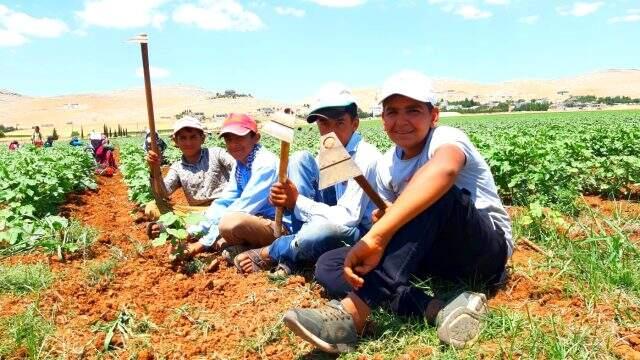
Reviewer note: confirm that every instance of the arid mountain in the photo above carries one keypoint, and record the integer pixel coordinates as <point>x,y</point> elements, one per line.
<point>602,83</point>
<point>127,107</point>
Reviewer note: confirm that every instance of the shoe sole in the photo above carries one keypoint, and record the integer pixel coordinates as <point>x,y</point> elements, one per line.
<point>462,327</point>
<point>291,321</point>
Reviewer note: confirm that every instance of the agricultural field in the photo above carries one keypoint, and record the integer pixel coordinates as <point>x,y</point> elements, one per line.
<point>79,279</point>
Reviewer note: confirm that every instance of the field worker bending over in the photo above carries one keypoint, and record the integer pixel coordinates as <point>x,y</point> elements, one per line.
<point>201,172</point>
<point>446,221</point>
<point>242,215</point>
<point>322,220</point>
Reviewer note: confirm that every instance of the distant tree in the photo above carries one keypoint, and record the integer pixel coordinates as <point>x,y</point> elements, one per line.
<point>81,132</point>
<point>363,114</point>
<point>54,135</point>
<point>75,133</point>
<point>104,129</point>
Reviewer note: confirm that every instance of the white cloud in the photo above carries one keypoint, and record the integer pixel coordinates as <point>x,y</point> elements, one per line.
<point>633,15</point>
<point>155,72</point>
<point>218,15</point>
<point>122,14</point>
<point>290,11</point>
<point>580,8</point>
<point>8,38</point>
<point>472,12</point>
<point>464,8</point>
<point>16,27</point>
<point>497,2</point>
<point>531,19</point>
<point>339,3</point>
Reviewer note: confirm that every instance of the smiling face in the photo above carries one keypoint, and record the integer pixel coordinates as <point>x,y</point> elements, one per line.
<point>240,146</point>
<point>189,141</point>
<point>407,122</point>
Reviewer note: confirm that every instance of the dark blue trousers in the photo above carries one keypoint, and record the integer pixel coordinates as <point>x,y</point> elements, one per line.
<point>450,240</point>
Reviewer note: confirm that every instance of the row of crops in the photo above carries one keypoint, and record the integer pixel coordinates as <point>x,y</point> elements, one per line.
<point>544,158</point>
<point>33,183</point>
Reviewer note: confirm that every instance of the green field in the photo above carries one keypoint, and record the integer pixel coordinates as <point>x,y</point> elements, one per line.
<point>571,182</point>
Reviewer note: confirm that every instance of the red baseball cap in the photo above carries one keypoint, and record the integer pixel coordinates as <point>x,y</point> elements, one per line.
<point>239,124</point>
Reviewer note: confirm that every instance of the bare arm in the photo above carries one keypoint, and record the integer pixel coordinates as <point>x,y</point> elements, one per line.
<point>427,186</point>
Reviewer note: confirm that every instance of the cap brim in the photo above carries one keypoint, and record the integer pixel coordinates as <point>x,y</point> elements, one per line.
<point>234,129</point>
<point>411,96</point>
<point>328,112</point>
<point>175,131</point>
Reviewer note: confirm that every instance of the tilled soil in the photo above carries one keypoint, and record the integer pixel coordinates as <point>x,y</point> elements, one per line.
<point>220,314</point>
<point>224,314</point>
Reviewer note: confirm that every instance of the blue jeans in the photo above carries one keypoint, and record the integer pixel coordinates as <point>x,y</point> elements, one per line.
<point>311,239</point>
<point>314,239</point>
<point>450,240</point>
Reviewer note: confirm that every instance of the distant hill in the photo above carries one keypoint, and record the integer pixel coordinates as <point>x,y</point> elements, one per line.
<point>601,83</point>
<point>124,107</point>
<point>128,108</point>
<point>6,95</point>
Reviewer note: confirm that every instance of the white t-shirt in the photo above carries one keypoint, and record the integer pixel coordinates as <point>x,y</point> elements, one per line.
<point>394,173</point>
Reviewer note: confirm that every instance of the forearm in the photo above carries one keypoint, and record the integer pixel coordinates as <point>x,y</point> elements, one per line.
<point>428,185</point>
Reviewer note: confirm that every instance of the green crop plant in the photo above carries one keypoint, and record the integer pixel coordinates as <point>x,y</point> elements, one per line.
<point>63,237</point>
<point>175,233</point>
<point>33,183</point>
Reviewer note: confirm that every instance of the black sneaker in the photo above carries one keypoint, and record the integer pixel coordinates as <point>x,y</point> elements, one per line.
<point>330,328</point>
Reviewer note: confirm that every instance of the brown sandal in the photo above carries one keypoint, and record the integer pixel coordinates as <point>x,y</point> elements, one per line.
<point>257,262</point>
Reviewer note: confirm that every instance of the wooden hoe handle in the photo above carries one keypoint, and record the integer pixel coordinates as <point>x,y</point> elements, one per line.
<point>282,178</point>
<point>364,184</point>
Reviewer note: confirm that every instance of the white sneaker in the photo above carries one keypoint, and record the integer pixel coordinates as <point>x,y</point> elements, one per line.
<point>459,322</point>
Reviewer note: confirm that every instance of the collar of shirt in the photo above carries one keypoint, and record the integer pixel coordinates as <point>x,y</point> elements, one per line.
<point>243,172</point>
<point>352,145</point>
<point>202,154</point>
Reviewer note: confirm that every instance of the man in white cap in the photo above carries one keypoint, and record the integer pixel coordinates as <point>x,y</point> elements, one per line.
<point>321,221</point>
<point>201,172</point>
<point>446,221</point>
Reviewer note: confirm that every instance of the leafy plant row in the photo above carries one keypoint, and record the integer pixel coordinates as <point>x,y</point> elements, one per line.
<point>33,183</point>
<point>135,171</point>
<point>548,158</point>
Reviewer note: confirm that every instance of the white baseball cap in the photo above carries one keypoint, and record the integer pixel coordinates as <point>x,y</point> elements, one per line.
<point>187,122</point>
<point>409,83</point>
<point>332,95</point>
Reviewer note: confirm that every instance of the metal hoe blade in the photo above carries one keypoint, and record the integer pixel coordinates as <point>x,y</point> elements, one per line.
<point>280,126</point>
<point>336,164</point>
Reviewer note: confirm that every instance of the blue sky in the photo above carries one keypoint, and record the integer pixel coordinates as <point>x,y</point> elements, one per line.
<point>285,49</point>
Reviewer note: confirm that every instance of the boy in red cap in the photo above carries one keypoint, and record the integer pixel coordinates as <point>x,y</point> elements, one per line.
<point>242,215</point>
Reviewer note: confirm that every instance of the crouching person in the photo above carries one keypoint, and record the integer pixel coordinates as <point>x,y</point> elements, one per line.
<point>242,216</point>
<point>202,172</point>
<point>321,220</point>
<point>446,221</point>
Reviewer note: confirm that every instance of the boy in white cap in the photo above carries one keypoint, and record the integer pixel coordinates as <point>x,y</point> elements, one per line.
<point>446,221</point>
<point>242,215</point>
<point>201,172</point>
<point>325,220</point>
